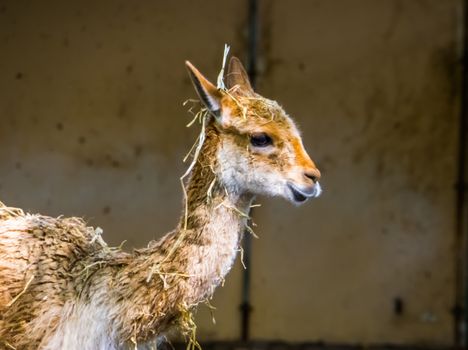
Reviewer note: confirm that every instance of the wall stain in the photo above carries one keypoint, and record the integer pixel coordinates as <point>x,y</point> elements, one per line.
<point>106,210</point>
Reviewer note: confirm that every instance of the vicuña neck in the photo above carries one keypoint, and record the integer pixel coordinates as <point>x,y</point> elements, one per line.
<point>216,220</point>
<point>184,267</point>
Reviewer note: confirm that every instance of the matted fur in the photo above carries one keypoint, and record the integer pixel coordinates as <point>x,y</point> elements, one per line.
<point>62,287</point>
<point>84,295</point>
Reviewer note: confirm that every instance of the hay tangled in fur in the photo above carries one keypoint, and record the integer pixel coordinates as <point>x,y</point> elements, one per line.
<point>9,212</point>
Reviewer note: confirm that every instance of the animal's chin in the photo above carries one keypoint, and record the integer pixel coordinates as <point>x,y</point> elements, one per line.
<point>299,196</point>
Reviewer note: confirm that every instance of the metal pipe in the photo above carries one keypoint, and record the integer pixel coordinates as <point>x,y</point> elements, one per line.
<point>460,311</point>
<point>252,49</point>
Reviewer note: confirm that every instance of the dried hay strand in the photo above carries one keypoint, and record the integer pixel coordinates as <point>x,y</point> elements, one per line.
<point>202,117</point>
<point>9,345</point>
<point>9,212</point>
<point>20,293</point>
<point>188,327</point>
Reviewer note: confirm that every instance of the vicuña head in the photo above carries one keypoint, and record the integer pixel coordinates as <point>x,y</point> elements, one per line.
<point>261,150</point>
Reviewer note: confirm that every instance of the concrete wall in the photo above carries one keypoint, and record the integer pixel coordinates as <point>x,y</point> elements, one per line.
<point>373,85</point>
<point>92,124</point>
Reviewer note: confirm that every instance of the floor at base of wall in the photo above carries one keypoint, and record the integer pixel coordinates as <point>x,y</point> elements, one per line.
<point>276,345</point>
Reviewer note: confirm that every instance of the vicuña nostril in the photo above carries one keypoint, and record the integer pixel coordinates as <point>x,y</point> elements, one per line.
<point>313,174</point>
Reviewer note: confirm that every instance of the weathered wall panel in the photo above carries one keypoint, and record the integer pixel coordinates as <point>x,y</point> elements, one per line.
<point>374,87</point>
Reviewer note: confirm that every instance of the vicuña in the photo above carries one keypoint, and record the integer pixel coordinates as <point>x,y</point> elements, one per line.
<point>62,287</point>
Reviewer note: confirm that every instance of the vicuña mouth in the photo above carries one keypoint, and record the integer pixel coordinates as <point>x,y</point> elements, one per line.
<point>301,195</point>
<point>298,195</point>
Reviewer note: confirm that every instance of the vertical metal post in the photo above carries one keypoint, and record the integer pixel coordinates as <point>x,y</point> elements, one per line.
<point>461,315</point>
<point>252,48</point>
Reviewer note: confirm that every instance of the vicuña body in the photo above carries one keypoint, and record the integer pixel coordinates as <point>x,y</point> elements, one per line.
<point>61,287</point>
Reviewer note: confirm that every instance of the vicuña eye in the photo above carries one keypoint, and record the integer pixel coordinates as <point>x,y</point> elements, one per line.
<point>260,140</point>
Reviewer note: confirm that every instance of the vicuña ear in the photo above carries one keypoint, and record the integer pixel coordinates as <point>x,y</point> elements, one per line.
<point>208,93</point>
<point>238,76</point>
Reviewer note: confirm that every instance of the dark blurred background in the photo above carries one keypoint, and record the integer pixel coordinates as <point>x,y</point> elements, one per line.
<point>92,125</point>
